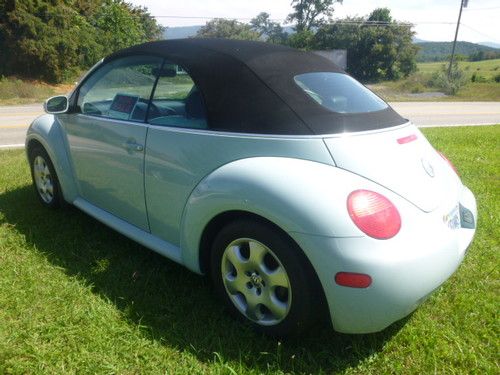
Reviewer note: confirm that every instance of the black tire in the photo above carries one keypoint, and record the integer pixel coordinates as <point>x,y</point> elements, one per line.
<point>301,298</point>
<point>49,194</point>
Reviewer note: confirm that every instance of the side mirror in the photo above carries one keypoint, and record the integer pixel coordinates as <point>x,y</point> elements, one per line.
<point>56,104</point>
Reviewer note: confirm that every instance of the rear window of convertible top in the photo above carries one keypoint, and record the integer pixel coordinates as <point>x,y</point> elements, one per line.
<point>339,92</point>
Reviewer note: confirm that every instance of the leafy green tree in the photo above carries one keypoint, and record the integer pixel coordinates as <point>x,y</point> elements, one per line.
<point>310,14</point>
<point>378,47</point>
<point>271,31</point>
<point>55,39</point>
<point>116,26</point>
<point>304,39</point>
<point>230,29</point>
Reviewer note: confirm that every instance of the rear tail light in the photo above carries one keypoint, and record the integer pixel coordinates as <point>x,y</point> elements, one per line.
<point>374,214</point>
<point>448,161</point>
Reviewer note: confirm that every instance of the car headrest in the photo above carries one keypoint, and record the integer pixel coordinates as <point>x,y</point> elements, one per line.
<point>194,105</point>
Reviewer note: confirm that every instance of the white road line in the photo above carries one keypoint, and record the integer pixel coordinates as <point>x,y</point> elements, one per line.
<point>17,145</point>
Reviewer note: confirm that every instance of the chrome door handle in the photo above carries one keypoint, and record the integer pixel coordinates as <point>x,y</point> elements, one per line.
<point>132,145</point>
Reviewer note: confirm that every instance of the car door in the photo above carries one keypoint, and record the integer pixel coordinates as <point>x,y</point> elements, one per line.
<point>107,135</point>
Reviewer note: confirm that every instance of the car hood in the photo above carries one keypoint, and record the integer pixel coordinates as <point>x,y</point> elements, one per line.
<point>401,160</point>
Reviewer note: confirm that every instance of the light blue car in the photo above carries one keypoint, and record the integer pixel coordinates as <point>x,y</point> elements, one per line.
<point>295,188</point>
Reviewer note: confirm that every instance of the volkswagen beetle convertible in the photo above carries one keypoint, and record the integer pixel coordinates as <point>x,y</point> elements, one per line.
<point>294,187</point>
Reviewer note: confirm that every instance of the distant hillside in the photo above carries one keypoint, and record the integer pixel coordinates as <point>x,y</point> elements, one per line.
<point>180,32</point>
<point>439,51</point>
<point>490,44</point>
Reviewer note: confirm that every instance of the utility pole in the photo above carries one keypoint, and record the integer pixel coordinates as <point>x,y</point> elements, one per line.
<point>463,4</point>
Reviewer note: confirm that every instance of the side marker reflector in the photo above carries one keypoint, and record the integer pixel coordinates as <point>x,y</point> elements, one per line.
<point>407,139</point>
<point>353,280</point>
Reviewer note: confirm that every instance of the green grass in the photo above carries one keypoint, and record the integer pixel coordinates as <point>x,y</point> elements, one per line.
<point>76,297</point>
<point>483,89</point>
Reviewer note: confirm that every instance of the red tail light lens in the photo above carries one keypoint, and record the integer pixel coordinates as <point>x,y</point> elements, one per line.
<point>448,161</point>
<point>374,214</point>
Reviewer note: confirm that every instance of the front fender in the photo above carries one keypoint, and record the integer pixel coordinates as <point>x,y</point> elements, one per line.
<point>299,196</point>
<point>47,130</point>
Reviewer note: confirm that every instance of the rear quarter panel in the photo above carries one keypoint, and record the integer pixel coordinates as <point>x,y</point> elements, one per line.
<point>299,196</point>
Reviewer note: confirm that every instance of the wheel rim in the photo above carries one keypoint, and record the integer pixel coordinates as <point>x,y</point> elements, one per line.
<point>43,179</point>
<point>256,281</point>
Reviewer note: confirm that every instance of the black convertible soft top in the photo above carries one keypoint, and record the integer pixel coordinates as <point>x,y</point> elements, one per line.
<point>249,87</point>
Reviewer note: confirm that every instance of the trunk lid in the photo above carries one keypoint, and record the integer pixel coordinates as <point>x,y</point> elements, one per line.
<point>402,160</point>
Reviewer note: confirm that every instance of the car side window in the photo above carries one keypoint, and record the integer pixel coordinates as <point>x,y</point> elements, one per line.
<point>121,89</point>
<point>177,101</point>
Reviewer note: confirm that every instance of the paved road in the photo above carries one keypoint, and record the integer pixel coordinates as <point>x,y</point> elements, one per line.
<point>14,120</point>
<point>449,113</point>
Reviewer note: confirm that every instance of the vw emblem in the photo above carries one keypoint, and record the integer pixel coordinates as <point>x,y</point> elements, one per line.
<point>428,168</point>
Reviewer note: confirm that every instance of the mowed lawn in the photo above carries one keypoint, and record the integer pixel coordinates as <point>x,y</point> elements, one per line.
<point>76,297</point>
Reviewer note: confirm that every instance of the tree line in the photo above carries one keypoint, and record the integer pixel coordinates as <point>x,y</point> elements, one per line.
<point>55,39</point>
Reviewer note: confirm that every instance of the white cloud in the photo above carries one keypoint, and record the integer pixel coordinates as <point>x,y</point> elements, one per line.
<point>435,20</point>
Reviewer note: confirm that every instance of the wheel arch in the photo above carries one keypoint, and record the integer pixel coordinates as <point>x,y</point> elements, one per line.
<point>299,196</point>
<point>47,132</point>
<point>220,220</point>
<point>215,225</point>
<point>31,143</point>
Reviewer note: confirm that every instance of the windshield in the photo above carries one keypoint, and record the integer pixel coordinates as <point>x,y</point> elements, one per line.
<point>339,92</point>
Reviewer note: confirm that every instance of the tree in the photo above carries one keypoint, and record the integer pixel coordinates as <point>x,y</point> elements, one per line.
<point>301,40</point>
<point>377,46</point>
<point>449,84</point>
<point>230,29</point>
<point>309,14</point>
<point>55,39</point>
<point>271,31</point>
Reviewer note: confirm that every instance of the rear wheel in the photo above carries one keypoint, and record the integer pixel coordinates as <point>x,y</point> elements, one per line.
<point>263,278</point>
<point>44,178</point>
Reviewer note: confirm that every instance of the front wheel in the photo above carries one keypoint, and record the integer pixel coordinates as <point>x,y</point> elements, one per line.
<point>263,277</point>
<point>44,178</point>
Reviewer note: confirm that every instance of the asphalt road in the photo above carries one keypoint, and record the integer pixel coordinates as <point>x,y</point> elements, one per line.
<point>428,114</point>
<point>14,120</point>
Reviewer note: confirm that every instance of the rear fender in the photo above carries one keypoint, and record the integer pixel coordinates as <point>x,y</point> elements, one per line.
<point>299,196</point>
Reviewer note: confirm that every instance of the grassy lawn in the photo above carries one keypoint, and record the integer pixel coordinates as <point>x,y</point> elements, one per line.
<point>76,297</point>
<point>16,91</point>
<point>415,87</point>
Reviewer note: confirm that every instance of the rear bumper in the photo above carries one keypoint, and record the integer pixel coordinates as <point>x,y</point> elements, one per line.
<point>404,270</point>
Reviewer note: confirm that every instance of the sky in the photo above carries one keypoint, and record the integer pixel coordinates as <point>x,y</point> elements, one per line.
<point>435,19</point>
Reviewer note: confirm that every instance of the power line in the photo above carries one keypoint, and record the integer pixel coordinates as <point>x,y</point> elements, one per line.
<point>492,8</point>
<point>338,21</point>
<point>493,39</point>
